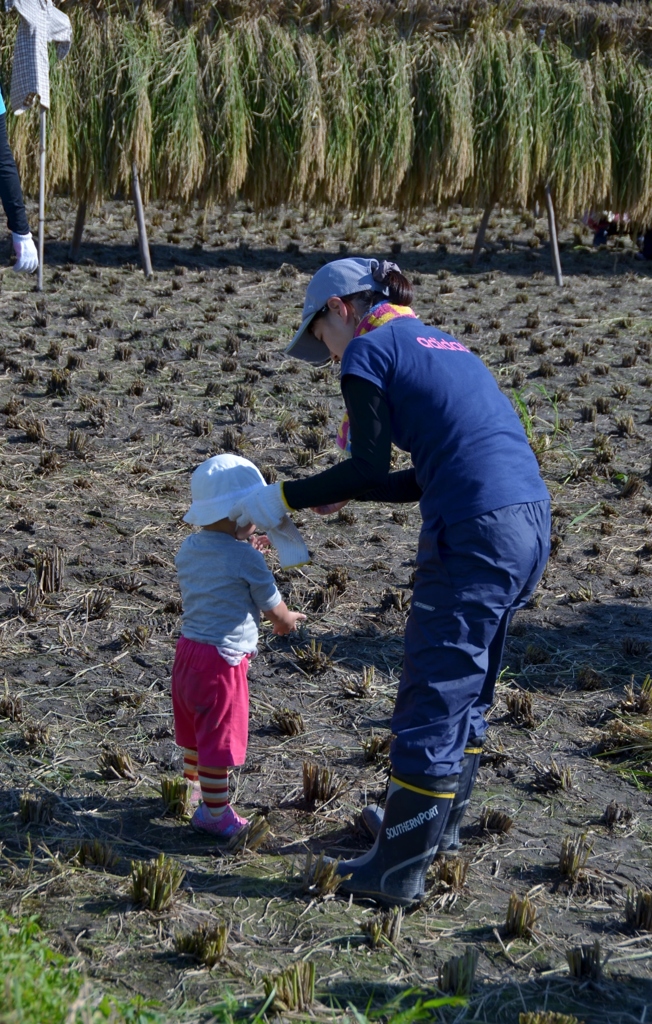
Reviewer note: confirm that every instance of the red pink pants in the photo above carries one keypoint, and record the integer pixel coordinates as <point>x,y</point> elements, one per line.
<point>211,704</point>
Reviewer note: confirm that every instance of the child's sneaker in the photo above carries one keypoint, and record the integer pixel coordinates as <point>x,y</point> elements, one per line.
<point>195,795</point>
<point>224,827</point>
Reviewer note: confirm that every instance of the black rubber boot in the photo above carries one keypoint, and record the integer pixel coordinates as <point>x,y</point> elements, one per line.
<point>450,841</point>
<point>393,872</point>
<point>372,815</point>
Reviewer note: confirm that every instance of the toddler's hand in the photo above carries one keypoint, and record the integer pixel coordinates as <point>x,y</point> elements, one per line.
<point>328,510</point>
<point>288,624</point>
<point>283,620</point>
<point>260,542</point>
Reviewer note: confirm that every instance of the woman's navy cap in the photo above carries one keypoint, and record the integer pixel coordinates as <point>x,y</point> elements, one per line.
<point>339,278</point>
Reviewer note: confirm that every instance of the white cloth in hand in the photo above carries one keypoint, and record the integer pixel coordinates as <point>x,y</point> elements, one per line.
<point>263,506</point>
<point>26,254</point>
<point>289,544</point>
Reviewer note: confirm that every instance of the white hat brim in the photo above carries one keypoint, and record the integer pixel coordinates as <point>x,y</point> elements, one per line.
<point>211,510</point>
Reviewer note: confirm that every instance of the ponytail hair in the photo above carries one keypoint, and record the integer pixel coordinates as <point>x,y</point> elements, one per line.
<point>389,277</point>
<point>400,289</point>
<point>393,287</point>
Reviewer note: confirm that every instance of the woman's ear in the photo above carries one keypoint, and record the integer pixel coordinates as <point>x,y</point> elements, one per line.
<point>338,307</point>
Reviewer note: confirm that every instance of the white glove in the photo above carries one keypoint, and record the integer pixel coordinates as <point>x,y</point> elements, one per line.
<point>289,544</point>
<point>26,254</point>
<point>263,506</point>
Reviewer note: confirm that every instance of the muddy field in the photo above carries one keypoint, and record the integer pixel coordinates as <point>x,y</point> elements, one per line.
<point>113,389</point>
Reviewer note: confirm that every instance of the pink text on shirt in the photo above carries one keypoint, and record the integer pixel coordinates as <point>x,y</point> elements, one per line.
<point>455,346</point>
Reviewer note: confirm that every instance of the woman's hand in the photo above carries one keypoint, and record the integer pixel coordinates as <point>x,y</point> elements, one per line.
<point>263,505</point>
<point>329,510</point>
<point>26,253</point>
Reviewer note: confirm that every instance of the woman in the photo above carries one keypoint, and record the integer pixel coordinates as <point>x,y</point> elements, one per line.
<point>483,545</point>
<point>11,196</point>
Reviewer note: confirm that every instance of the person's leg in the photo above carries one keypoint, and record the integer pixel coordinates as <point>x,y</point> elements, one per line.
<point>469,583</point>
<point>221,725</point>
<point>460,595</point>
<point>534,522</point>
<point>184,720</point>
<point>469,579</point>
<point>214,784</point>
<point>11,194</point>
<point>394,871</point>
<point>447,643</point>
<point>450,841</point>
<point>190,764</point>
<point>536,518</point>
<point>191,774</point>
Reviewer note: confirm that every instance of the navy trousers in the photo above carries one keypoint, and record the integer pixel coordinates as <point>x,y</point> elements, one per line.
<point>470,579</point>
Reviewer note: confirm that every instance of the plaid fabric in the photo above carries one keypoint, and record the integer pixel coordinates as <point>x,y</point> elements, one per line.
<point>40,23</point>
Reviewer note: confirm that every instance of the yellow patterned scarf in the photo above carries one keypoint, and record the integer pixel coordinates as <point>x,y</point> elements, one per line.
<point>380,315</point>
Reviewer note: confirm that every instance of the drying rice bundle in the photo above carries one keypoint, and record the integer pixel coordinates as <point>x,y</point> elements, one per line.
<point>226,121</point>
<point>135,50</point>
<point>282,95</point>
<point>385,129</point>
<point>23,137</point>
<point>500,118</point>
<point>540,127</point>
<point>519,123</point>
<point>91,82</point>
<point>275,113</point>
<point>60,161</point>
<point>179,151</point>
<point>8,29</point>
<point>266,75</point>
<point>312,154</point>
<point>628,88</point>
<point>579,165</point>
<point>270,116</point>
<point>336,67</point>
<point>442,150</point>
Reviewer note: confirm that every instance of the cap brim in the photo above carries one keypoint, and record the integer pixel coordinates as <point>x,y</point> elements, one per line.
<point>211,510</point>
<point>307,347</point>
<point>203,513</point>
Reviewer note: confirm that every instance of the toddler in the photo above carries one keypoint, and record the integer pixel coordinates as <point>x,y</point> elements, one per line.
<point>225,584</point>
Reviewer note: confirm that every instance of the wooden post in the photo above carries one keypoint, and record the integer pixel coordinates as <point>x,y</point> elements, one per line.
<point>552,231</point>
<point>145,257</point>
<point>41,201</point>
<point>78,231</point>
<point>552,226</point>
<point>479,238</point>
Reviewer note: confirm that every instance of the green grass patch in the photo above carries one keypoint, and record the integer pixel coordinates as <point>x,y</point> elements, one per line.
<point>42,986</point>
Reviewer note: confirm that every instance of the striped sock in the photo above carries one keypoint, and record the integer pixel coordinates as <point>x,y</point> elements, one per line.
<point>214,784</point>
<point>190,764</point>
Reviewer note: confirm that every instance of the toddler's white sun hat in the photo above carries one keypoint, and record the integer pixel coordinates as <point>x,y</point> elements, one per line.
<point>217,485</point>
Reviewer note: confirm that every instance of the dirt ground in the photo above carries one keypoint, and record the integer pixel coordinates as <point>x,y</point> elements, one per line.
<point>113,389</point>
